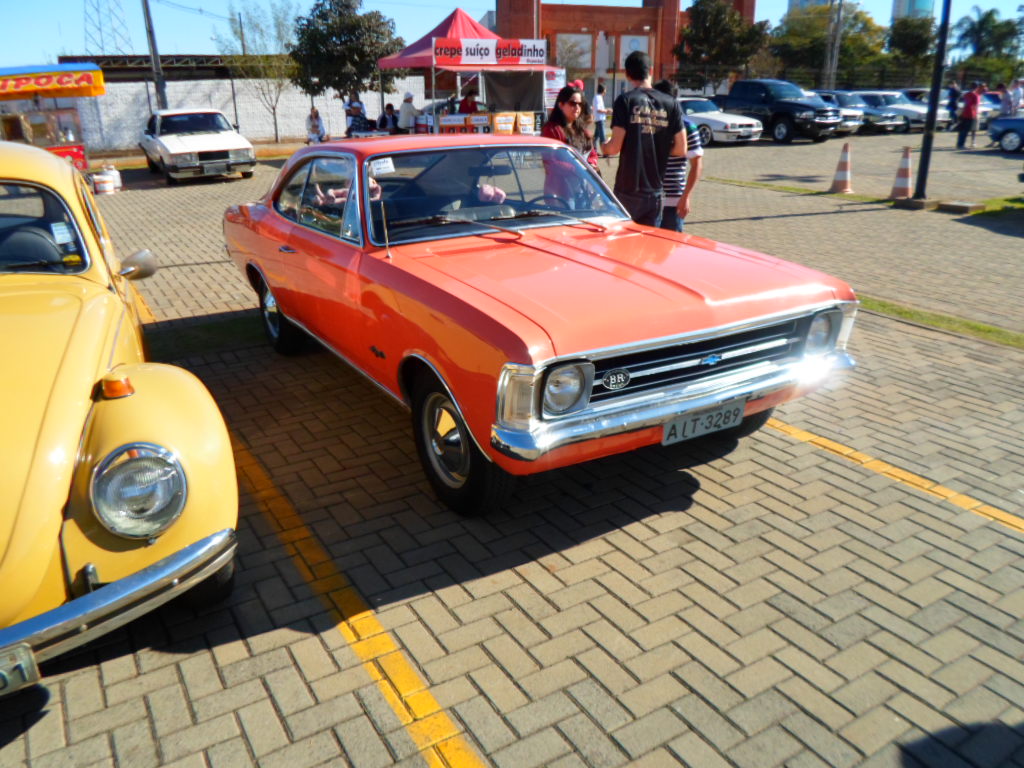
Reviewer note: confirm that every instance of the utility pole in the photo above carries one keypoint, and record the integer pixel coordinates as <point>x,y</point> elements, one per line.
<point>241,33</point>
<point>154,57</point>
<point>933,105</point>
<point>835,37</point>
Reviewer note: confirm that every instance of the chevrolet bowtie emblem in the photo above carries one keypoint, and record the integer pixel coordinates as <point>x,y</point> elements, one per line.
<point>711,360</point>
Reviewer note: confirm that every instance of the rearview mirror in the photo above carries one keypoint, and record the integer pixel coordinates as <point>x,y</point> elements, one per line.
<point>139,265</point>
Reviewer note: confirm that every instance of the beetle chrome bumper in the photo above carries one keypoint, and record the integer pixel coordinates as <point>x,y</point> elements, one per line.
<point>654,409</point>
<point>80,620</point>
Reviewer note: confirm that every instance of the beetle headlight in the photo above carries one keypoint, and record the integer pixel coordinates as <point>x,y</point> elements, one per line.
<point>566,387</point>
<point>822,334</point>
<point>139,490</point>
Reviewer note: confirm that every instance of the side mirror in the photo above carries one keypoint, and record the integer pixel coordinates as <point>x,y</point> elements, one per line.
<point>236,126</point>
<point>139,265</point>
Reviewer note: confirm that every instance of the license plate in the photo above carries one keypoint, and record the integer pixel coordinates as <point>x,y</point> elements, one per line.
<point>705,422</point>
<point>17,668</point>
<point>215,168</point>
<point>745,134</point>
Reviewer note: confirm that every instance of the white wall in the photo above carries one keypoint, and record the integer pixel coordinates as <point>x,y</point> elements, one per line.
<point>115,121</point>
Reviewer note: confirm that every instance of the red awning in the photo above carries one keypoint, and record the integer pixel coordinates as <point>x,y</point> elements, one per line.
<point>499,67</point>
<point>420,55</point>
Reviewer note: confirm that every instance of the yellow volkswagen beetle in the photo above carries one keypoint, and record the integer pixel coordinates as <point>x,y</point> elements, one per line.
<point>118,488</point>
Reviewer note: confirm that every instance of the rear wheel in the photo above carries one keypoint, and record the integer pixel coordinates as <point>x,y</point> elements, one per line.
<point>706,137</point>
<point>1010,142</point>
<point>782,130</point>
<point>461,476</point>
<point>284,336</point>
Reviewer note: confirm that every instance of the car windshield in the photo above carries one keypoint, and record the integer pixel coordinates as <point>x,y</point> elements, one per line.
<point>786,91</point>
<point>896,98</point>
<point>849,100</point>
<point>454,192</point>
<point>37,234</point>
<point>697,105</point>
<point>197,122</point>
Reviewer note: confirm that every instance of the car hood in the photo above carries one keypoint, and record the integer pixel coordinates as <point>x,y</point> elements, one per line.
<point>807,103</point>
<point>204,142</point>
<point>588,289</point>
<point>722,119</point>
<point>53,333</point>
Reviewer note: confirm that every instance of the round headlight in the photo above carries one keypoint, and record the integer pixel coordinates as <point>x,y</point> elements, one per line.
<point>564,388</point>
<point>819,337</point>
<point>139,490</point>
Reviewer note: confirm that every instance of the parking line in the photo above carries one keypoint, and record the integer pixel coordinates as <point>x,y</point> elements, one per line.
<point>902,476</point>
<point>440,741</point>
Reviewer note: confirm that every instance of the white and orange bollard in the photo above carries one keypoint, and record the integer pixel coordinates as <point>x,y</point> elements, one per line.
<point>841,184</point>
<point>901,188</point>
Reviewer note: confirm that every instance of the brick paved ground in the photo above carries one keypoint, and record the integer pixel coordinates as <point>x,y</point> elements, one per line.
<point>706,605</point>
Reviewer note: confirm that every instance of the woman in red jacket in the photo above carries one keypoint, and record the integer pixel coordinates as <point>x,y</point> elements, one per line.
<point>566,123</point>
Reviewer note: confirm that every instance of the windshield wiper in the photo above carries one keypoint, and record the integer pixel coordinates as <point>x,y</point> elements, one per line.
<point>442,218</point>
<point>534,212</point>
<point>38,263</point>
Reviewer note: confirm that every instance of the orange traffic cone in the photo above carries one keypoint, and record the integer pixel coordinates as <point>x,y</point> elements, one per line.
<point>901,187</point>
<point>841,182</point>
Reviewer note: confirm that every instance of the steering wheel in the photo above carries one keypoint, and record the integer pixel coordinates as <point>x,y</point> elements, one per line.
<point>563,204</point>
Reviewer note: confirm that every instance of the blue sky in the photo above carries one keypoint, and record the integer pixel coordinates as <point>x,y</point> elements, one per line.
<point>33,35</point>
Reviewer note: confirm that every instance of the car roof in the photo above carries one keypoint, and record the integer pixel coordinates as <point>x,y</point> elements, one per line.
<point>200,110</point>
<point>24,162</point>
<point>378,145</point>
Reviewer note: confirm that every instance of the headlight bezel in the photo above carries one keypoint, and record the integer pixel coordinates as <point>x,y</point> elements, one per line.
<point>242,155</point>
<point>834,317</point>
<point>169,513</point>
<point>585,371</point>
<point>185,158</point>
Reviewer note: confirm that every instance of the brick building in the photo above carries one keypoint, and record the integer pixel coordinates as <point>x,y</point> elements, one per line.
<point>597,38</point>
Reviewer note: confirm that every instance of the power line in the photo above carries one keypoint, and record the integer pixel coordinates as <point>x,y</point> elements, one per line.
<point>190,9</point>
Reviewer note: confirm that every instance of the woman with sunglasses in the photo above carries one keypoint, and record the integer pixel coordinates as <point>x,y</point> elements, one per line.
<point>566,123</point>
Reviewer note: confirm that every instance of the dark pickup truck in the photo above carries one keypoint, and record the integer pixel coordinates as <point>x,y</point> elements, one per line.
<point>783,108</point>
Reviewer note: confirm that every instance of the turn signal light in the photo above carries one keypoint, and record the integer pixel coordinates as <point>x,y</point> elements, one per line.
<point>115,385</point>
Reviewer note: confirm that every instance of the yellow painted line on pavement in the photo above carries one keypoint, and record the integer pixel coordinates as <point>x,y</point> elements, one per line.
<point>440,741</point>
<point>902,476</point>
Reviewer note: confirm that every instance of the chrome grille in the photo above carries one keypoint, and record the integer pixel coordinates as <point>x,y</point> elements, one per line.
<point>682,364</point>
<point>827,114</point>
<point>218,154</point>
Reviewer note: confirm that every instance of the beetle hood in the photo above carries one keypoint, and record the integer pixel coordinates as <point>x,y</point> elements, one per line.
<point>590,290</point>
<point>53,342</point>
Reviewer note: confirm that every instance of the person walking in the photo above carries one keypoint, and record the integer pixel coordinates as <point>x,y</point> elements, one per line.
<point>407,114</point>
<point>600,113</point>
<point>969,116</point>
<point>953,103</point>
<point>315,132</point>
<point>647,127</point>
<point>681,173</point>
<point>388,120</point>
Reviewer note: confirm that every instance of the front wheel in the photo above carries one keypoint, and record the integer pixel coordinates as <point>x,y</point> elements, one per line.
<point>247,174</point>
<point>904,127</point>
<point>284,336</point>
<point>782,131</point>
<point>153,167</point>
<point>706,137</point>
<point>1010,142</point>
<point>461,476</point>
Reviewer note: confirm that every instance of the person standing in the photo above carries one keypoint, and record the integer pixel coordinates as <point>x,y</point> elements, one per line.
<point>566,123</point>
<point>1017,94</point>
<point>600,112</point>
<point>953,103</point>
<point>681,173</point>
<point>355,115</point>
<point>969,116</point>
<point>388,120</point>
<point>647,127</point>
<point>315,132</point>
<point>468,104</point>
<point>407,114</point>
<point>1005,100</point>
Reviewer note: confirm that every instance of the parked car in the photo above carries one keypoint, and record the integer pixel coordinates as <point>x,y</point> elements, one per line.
<point>851,117</point>
<point>118,489</point>
<point>496,287</point>
<point>913,113</point>
<point>875,120</point>
<point>189,143</point>
<point>715,125</point>
<point>1007,132</point>
<point>943,117</point>
<point>783,107</point>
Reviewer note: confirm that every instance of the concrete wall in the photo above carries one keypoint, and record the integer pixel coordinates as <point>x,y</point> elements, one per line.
<point>115,121</point>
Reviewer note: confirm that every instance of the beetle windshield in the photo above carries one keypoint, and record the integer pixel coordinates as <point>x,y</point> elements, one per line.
<point>37,234</point>
<point>453,192</point>
<point>197,122</point>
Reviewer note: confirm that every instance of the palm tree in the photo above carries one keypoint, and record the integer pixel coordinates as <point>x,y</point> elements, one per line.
<point>981,33</point>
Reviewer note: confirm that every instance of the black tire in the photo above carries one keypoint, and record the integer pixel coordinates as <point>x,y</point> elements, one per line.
<point>820,137</point>
<point>247,174</point>
<point>461,476</point>
<point>153,167</point>
<point>171,181</point>
<point>284,336</point>
<point>903,127</point>
<point>1010,142</point>
<point>782,130</point>
<point>706,136</point>
<point>749,425</point>
<point>213,590</point>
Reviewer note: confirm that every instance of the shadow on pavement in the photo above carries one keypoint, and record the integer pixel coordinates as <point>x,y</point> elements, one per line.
<point>982,745</point>
<point>1006,221</point>
<point>21,711</point>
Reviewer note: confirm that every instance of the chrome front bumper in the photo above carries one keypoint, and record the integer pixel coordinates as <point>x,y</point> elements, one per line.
<point>80,620</point>
<point>653,409</point>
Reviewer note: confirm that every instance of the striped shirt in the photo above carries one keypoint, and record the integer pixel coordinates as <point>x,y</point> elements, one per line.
<point>674,181</point>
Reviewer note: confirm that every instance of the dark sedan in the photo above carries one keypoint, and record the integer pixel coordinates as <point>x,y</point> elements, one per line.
<point>1007,132</point>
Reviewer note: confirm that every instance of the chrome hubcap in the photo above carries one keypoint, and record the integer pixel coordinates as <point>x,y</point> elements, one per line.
<point>271,316</point>
<point>1011,142</point>
<point>447,441</point>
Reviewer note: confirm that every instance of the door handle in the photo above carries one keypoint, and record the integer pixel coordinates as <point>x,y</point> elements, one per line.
<point>286,249</point>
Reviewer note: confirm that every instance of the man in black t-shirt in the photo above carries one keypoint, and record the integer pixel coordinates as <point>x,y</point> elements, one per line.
<point>647,127</point>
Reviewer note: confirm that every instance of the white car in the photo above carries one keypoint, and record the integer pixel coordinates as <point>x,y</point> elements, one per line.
<point>715,125</point>
<point>912,112</point>
<point>188,143</point>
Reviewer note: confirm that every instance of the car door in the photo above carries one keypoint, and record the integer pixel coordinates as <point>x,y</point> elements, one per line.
<point>148,142</point>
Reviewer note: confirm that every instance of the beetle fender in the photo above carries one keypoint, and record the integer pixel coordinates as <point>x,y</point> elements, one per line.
<point>171,408</point>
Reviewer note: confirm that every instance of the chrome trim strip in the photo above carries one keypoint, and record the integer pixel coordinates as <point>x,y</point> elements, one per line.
<point>84,618</point>
<point>724,355</point>
<point>657,408</point>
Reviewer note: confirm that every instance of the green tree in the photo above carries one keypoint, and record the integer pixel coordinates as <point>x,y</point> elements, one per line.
<point>912,39</point>
<point>718,35</point>
<point>986,35</point>
<point>801,40</point>
<point>336,47</point>
<point>258,50</point>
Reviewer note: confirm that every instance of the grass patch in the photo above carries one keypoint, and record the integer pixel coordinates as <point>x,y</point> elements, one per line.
<point>999,205</point>
<point>797,190</point>
<point>176,342</point>
<point>944,322</point>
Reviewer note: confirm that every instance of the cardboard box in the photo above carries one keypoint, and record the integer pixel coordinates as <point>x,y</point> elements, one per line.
<point>479,123</point>
<point>452,124</point>
<point>525,124</point>
<point>503,122</point>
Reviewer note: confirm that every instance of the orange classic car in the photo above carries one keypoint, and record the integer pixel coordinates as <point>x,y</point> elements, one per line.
<point>496,287</point>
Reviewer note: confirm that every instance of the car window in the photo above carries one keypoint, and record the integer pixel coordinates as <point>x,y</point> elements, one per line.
<point>329,202</point>
<point>151,125</point>
<point>37,232</point>
<point>287,202</point>
<point>697,106</point>
<point>786,91</point>
<point>197,122</point>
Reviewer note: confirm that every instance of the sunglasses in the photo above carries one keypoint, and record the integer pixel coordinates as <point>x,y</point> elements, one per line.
<point>575,103</point>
